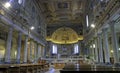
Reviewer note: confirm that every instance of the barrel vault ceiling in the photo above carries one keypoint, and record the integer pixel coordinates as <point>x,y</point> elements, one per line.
<point>60,13</point>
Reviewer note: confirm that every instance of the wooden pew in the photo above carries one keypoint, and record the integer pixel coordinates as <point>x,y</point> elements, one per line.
<point>14,69</point>
<point>73,68</point>
<point>24,68</point>
<point>4,70</point>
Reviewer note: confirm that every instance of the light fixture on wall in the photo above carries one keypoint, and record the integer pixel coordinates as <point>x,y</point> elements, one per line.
<point>32,27</point>
<point>93,45</point>
<point>111,51</point>
<point>119,49</point>
<point>93,25</point>
<point>7,5</point>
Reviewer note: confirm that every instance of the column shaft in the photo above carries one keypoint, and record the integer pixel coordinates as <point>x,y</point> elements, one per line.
<point>100,49</point>
<point>106,47</point>
<point>35,52</point>
<point>93,50</point>
<point>19,47</point>
<point>114,42</point>
<point>31,47</point>
<point>39,51</point>
<point>43,51</point>
<point>90,51</point>
<point>25,49</point>
<point>8,46</point>
<point>96,50</point>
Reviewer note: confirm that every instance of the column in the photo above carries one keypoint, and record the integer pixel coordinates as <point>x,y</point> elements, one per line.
<point>35,52</point>
<point>88,49</point>
<point>19,46</point>
<point>92,50</point>
<point>39,51</point>
<point>100,48</point>
<point>8,46</point>
<point>31,47</point>
<point>114,41</point>
<point>43,51</point>
<point>96,50</point>
<point>51,47</point>
<point>79,44</point>
<point>25,49</point>
<point>106,47</point>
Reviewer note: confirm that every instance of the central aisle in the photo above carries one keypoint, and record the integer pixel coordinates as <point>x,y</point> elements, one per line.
<point>52,70</point>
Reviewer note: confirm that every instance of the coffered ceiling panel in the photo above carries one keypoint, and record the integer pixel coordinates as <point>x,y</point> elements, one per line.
<point>62,10</point>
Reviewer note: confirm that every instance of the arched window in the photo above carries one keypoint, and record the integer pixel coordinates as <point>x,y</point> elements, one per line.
<point>54,49</point>
<point>76,50</point>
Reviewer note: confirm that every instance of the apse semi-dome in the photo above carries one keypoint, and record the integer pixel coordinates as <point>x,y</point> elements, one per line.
<point>64,35</point>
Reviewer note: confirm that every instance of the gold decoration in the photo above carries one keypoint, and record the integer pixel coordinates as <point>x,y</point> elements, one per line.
<point>64,35</point>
